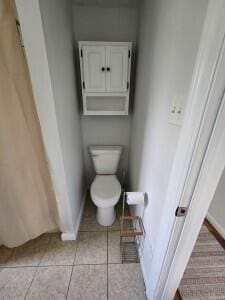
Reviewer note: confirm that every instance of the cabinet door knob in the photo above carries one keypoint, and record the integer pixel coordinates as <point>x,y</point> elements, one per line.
<point>103,69</point>
<point>108,69</point>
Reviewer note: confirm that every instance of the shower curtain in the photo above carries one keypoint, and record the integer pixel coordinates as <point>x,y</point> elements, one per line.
<point>27,201</point>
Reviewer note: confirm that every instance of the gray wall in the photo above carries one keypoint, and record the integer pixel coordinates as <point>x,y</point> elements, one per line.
<point>216,213</point>
<point>58,30</point>
<point>105,24</point>
<point>169,36</point>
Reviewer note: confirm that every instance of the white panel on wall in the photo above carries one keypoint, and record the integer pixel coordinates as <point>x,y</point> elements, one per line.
<point>92,23</point>
<point>169,36</point>
<point>58,30</point>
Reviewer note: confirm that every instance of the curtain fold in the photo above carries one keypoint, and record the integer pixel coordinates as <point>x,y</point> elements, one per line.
<point>27,201</point>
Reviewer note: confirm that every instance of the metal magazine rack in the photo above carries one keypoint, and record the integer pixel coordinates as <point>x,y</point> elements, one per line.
<point>131,232</point>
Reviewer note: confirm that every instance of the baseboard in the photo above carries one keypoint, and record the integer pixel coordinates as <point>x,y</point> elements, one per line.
<point>68,236</point>
<point>142,262</point>
<point>145,279</point>
<point>215,224</point>
<point>76,228</point>
<point>72,236</point>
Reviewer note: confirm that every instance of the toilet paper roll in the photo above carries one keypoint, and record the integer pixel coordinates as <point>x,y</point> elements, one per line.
<point>135,198</point>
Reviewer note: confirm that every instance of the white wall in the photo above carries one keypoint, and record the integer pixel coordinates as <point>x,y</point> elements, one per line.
<point>169,35</point>
<point>58,30</point>
<point>216,213</point>
<point>105,24</point>
<point>35,48</point>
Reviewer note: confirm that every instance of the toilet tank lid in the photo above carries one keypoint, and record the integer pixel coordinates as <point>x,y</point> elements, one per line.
<point>105,149</point>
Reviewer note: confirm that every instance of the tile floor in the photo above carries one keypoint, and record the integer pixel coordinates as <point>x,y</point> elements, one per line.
<point>89,268</point>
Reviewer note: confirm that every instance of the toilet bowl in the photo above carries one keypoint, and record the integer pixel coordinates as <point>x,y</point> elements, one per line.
<point>105,189</point>
<point>105,193</point>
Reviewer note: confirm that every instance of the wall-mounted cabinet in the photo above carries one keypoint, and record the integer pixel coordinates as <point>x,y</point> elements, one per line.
<point>105,75</point>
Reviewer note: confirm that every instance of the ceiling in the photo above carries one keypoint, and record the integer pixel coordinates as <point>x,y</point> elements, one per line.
<point>107,3</point>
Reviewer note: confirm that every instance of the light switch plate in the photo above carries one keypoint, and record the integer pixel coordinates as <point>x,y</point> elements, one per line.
<point>176,111</point>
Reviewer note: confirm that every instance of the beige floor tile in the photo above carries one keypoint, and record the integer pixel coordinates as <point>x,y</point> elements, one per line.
<point>89,222</point>
<point>114,247</point>
<point>116,224</point>
<point>14,282</point>
<point>50,283</point>
<point>5,254</point>
<point>89,208</point>
<point>92,248</point>
<point>88,282</point>
<point>29,254</point>
<point>125,282</point>
<point>59,252</point>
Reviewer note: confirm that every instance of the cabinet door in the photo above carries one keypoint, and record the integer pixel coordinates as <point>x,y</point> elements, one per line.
<point>116,68</point>
<point>94,68</point>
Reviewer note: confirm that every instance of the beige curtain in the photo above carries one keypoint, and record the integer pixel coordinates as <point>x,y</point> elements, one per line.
<point>27,201</point>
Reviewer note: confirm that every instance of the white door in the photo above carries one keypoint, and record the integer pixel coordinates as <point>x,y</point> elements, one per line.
<point>117,68</point>
<point>94,68</point>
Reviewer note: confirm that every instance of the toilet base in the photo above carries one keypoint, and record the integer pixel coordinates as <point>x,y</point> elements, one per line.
<point>106,215</point>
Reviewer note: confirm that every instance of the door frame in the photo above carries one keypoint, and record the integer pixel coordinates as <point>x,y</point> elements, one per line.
<point>199,159</point>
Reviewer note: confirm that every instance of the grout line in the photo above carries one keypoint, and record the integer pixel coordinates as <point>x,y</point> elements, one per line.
<point>67,292</point>
<point>93,230</point>
<point>69,265</point>
<point>97,264</point>
<point>36,266</point>
<point>35,273</point>
<point>99,230</point>
<point>103,264</point>
<point>75,254</point>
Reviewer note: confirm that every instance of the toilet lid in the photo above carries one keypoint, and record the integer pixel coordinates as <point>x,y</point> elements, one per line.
<point>105,190</point>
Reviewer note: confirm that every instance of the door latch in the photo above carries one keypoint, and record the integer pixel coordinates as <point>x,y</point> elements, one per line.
<point>181,211</point>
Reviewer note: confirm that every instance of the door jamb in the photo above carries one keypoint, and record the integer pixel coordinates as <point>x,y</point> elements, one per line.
<point>211,171</point>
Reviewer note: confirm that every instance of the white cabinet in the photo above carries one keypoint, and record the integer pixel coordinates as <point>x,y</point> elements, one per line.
<point>94,68</point>
<point>105,75</point>
<point>117,58</point>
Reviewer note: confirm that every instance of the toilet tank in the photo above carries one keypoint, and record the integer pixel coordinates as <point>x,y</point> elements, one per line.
<point>105,158</point>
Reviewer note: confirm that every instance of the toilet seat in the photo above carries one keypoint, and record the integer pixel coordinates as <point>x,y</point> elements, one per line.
<point>105,190</point>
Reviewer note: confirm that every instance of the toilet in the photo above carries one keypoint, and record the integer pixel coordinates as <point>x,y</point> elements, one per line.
<point>105,188</point>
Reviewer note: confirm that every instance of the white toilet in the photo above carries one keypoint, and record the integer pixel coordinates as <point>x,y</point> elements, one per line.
<point>105,189</point>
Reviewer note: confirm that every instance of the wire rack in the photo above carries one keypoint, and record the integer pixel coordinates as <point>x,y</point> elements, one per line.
<point>129,252</point>
<point>131,229</point>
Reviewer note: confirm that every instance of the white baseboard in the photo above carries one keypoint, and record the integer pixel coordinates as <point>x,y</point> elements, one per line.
<point>72,236</point>
<point>68,236</point>
<point>80,215</point>
<point>215,224</point>
<point>145,279</point>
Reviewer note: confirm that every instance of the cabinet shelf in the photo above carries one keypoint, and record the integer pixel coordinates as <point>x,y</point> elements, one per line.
<point>105,105</point>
